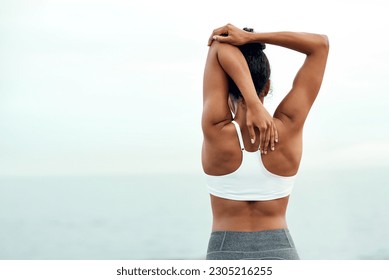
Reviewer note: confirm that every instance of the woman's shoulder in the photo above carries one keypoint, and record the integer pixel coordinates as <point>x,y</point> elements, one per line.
<point>289,148</point>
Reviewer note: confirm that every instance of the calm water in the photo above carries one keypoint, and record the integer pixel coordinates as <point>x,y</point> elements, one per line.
<point>332,215</point>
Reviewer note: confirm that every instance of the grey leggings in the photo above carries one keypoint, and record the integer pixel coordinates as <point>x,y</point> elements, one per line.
<point>259,245</point>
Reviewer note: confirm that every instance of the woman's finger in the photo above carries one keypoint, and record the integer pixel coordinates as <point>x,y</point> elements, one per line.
<point>251,133</point>
<point>272,137</point>
<point>217,32</point>
<point>275,134</point>
<point>267,140</point>
<point>262,137</point>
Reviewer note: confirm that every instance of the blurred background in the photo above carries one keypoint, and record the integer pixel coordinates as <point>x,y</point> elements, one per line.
<point>100,137</point>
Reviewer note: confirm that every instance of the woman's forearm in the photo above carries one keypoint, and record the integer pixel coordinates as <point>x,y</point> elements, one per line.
<point>306,43</point>
<point>234,64</point>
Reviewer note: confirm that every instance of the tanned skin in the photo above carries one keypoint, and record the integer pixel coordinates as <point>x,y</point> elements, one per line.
<point>279,136</point>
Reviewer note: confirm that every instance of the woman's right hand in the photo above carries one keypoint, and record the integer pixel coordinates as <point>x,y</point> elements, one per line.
<point>258,117</point>
<point>230,34</point>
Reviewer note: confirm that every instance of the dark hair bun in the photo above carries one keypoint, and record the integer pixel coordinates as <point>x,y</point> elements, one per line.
<point>248,29</point>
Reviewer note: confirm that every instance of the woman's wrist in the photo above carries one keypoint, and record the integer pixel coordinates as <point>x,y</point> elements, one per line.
<point>253,104</point>
<point>257,37</point>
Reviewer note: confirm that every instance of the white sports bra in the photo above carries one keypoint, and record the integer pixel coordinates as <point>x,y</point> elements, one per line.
<point>251,181</point>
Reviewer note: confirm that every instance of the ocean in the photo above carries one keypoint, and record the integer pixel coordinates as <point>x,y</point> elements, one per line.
<point>333,214</point>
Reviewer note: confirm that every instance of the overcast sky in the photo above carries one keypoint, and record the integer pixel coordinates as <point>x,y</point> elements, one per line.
<point>115,87</point>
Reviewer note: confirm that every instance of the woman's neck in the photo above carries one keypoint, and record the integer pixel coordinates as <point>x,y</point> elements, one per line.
<point>240,118</point>
<point>240,114</point>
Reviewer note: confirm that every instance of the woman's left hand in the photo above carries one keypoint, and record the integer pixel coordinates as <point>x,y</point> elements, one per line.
<point>230,34</point>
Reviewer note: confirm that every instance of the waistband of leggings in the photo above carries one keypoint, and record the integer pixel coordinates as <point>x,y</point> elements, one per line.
<point>255,240</point>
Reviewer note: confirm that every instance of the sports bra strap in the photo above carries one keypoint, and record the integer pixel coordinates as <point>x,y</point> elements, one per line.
<point>237,127</point>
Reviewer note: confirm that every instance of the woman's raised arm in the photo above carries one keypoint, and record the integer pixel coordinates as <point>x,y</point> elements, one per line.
<point>233,63</point>
<point>296,105</point>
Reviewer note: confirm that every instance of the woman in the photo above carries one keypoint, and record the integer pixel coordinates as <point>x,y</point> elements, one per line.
<point>250,158</point>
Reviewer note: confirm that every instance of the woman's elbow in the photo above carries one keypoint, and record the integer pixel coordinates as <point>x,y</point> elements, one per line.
<point>324,42</point>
